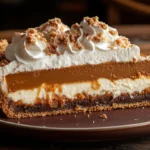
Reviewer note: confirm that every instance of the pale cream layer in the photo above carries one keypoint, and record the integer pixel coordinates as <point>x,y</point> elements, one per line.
<point>99,87</point>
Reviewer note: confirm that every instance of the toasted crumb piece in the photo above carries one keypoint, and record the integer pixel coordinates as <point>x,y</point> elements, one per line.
<point>113,32</point>
<point>123,42</point>
<point>93,121</point>
<point>3,45</point>
<point>103,116</point>
<point>3,62</point>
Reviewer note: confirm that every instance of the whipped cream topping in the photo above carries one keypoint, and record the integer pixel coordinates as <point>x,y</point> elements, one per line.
<point>90,35</point>
<point>53,25</point>
<point>27,47</point>
<point>54,45</point>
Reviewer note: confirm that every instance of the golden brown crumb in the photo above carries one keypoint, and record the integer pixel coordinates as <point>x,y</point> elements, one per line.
<point>3,62</point>
<point>92,20</point>
<point>55,24</point>
<point>65,39</point>
<point>33,32</point>
<point>123,42</point>
<point>3,45</point>
<point>95,21</point>
<point>134,60</point>
<point>103,116</point>
<point>98,38</point>
<point>112,32</point>
<point>76,26</point>
<point>30,40</point>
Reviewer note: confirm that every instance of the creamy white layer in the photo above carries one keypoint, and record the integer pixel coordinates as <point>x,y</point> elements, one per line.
<point>68,59</point>
<point>70,90</point>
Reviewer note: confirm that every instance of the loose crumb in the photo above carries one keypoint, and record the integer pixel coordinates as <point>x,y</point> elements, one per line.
<point>75,116</point>
<point>104,116</point>
<point>77,124</point>
<point>60,118</point>
<point>93,121</point>
<point>88,116</point>
<point>135,119</point>
<point>18,122</point>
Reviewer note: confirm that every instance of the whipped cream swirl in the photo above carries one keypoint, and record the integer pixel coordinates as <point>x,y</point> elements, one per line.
<point>27,47</point>
<point>90,35</point>
<point>97,35</point>
<point>52,25</point>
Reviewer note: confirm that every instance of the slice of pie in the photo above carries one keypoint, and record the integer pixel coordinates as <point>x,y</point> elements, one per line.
<point>53,69</point>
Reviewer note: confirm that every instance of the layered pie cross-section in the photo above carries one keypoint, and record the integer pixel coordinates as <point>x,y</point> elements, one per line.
<point>55,69</point>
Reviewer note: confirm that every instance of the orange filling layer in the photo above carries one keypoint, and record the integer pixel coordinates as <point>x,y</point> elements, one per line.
<point>112,71</point>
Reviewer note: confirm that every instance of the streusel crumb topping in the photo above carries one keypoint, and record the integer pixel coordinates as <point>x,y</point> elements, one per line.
<point>3,45</point>
<point>123,42</point>
<point>94,21</point>
<point>3,62</point>
<point>53,24</point>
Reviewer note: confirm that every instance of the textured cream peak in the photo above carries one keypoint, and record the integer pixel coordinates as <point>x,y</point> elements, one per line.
<point>53,25</point>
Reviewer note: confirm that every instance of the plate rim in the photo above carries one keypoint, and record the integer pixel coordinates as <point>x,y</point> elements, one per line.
<point>112,128</point>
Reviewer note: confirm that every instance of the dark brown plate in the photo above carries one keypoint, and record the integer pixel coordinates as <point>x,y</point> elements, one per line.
<point>82,127</point>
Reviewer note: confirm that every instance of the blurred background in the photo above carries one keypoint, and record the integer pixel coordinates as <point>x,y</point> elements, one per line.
<point>130,17</point>
<point>20,14</point>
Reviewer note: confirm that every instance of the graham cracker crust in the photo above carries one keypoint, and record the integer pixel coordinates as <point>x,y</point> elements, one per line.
<point>76,106</point>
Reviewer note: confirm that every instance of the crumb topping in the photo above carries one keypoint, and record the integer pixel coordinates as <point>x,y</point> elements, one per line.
<point>3,62</point>
<point>53,24</point>
<point>32,32</point>
<point>94,21</point>
<point>123,42</point>
<point>3,45</point>
<point>65,39</point>
<point>103,116</point>
<point>98,38</point>
<point>113,32</point>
